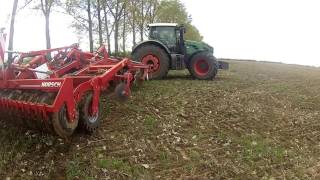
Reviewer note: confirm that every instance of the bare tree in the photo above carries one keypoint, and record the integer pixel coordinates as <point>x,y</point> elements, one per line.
<point>142,19</point>
<point>106,25</point>
<point>146,14</point>
<point>99,22</point>
<point>46,6</point>
<point>90,25</point>
<point>132,19</point>
<point>11,33</point>
<point>81,11</point>
<point>124,29</point>
<point>116,8</point>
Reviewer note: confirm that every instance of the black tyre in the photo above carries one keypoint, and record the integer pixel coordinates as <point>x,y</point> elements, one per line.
<point>156,57</point>
<point>203,66</point>
<point>120,92</point>
<point>61,124</point>
<point>88,122</point>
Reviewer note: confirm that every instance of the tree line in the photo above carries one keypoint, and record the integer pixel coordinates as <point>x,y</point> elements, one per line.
<point>110,21</point>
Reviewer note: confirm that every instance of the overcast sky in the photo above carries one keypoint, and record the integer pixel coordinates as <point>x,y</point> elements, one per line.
<point>275,30</point>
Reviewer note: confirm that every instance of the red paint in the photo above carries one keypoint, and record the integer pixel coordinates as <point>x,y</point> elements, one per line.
<point>90,72</point>
<point>201,67</point>
<point>153,61</point>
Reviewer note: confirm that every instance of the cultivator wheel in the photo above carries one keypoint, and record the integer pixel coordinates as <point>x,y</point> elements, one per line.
<point>12,113</point>
<point>27,117</point>
<point>19,115</point>
<point>87,121</point>
<point>61,124</point>
<point>3,114</point>
<point>121,93</point>
<point>33,120</point>
<point>46,98</point>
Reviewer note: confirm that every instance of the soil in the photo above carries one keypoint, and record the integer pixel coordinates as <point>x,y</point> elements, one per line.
<point>257,120</point>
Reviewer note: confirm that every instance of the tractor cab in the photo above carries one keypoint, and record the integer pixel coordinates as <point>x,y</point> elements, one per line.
<point>170,34</point>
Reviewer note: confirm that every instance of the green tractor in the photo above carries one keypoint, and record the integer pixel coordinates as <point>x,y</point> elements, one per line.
<point>167,50</point>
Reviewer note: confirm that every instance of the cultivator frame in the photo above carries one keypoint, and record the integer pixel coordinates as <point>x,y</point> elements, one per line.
<point>56,101</point>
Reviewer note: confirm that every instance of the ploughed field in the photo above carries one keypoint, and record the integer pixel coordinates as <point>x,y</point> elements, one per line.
<point>257,120</point>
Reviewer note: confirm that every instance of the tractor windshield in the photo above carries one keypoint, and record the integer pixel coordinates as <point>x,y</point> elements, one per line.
<point>166,35</point>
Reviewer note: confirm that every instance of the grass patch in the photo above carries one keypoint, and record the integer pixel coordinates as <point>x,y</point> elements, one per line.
<point>120,165</point>
<point>104,163</point>
<point>76,169</point>
<point>256,148</point>
<point>79,168</point>
<point>150,123</point>
<point>195,155</point>
<point>164,158</point>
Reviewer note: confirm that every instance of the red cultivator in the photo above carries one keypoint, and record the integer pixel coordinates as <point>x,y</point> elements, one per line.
<point>63,93</point>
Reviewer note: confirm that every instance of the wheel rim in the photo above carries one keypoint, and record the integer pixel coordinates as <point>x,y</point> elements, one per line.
<point>61,123</point>
<point>201,67</point>
<point>153,61</point>
<point>92,118</point>
<point>65,123</point>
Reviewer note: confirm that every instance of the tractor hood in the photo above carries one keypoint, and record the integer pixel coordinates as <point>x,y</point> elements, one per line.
<point>194,46</point>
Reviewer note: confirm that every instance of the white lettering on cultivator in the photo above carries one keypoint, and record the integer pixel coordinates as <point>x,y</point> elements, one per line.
<point>50,84</point>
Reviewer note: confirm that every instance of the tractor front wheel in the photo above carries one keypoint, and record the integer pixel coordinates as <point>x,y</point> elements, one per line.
<point>155,57</point>
<point>203,66</point>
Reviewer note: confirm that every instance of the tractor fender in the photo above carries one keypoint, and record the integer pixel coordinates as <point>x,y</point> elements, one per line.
<point>153,42</point>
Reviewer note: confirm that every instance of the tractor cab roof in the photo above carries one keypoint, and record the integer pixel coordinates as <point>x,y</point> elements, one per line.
<point>163,25</point>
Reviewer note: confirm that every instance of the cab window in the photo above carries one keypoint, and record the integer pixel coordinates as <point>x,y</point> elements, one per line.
<point>166,35</point>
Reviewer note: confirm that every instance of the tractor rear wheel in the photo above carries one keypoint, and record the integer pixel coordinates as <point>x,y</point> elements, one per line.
<point>154,56</point>
<point>203,66</point>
